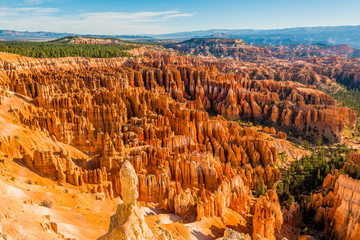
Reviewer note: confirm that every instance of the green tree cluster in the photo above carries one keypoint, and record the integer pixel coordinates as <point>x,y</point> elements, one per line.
<point>307,174</point>
<point>348,97</point>
<point>55,49</point>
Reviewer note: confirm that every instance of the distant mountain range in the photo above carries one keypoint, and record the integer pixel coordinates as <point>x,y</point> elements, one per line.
<point>301,35</point>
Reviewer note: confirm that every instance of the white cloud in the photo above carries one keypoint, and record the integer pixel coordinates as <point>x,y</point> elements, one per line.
<point>34,1</point>
<point>27,10</point>
<point>48,19</point>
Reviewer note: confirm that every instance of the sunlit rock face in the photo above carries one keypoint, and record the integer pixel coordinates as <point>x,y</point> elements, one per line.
<point>128,222</point>
<point>338,212</point>
<point>230,234</point>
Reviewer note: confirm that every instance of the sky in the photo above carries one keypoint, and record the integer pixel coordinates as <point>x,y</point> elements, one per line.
<point>117,17</point>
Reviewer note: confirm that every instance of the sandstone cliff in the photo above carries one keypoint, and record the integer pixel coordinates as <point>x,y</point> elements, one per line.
<point>339,210</point>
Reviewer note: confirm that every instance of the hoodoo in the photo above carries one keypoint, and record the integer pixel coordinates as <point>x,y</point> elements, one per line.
<point>128,222</point>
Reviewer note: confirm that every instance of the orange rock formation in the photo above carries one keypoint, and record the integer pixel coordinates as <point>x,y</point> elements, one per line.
<point>170,117</point>
<point>339,210</point>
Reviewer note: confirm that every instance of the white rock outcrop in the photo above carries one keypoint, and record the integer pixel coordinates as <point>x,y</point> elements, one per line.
<point>128,222</point>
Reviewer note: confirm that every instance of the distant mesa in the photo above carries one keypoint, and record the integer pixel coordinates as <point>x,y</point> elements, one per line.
<point>238,49</point>
<point>89,40</point>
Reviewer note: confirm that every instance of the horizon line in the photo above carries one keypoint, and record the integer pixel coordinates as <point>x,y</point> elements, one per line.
<point>202,30</point>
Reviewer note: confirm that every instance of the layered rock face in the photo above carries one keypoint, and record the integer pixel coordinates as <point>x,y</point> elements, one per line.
<point>347,195</point>
<point>338,212</point>
<point>128,222</point>
<point>220,47</point>
<point>344,71</point>
<point>169,117</point>
<point>237,49</point>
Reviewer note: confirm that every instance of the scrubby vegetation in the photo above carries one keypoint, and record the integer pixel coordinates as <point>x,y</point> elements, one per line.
<point>55,49</point>
<point>259,190</point>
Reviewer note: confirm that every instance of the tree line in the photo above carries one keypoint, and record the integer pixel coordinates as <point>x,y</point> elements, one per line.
<point>55,50</point>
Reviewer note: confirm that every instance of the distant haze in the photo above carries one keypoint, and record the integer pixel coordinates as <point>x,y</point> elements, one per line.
<point>310,35</point>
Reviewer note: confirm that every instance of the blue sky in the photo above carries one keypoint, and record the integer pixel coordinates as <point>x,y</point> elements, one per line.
<point>154,17</point>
